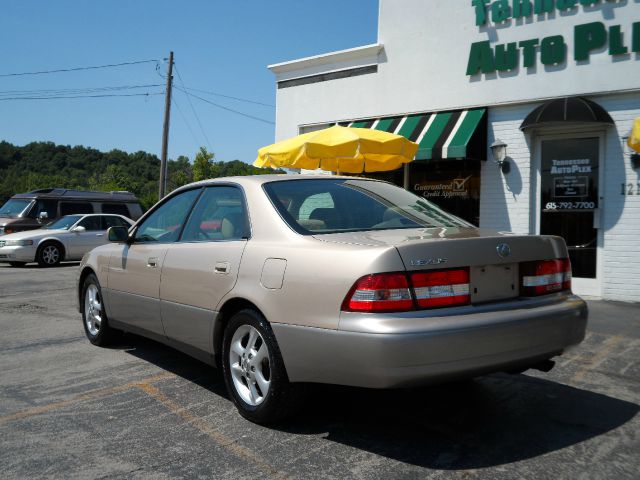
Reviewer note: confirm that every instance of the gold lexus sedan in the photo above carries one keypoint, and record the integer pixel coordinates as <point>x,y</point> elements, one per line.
<point>282,280</point>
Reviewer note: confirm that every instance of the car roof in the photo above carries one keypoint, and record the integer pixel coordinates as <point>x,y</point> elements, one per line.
<point>262,179</point>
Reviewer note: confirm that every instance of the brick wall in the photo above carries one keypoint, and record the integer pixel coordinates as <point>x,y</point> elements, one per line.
<point>507,202</point>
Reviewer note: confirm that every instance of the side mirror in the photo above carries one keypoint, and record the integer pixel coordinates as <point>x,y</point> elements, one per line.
<point>78,229</point>
<point>118,234</point>
<point>42,217</point>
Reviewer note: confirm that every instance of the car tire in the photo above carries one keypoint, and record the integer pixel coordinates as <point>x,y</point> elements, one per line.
<point>49,254</point>
<point>17,264</point>
<point>254,372</point>
<point>94,316</point>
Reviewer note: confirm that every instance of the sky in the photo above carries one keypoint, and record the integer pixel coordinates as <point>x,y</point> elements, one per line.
<point>221,47</point>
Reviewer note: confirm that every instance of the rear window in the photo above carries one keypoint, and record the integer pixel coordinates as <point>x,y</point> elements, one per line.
<point>312,206</point>
<point>69,208</point>
<point>115,208</point>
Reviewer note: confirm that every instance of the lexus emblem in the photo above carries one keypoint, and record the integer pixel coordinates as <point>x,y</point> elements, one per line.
<point>503,250</point>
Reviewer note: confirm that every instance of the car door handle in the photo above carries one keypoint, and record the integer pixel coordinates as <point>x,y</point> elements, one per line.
<point>152,262</point>
<point>98,234</point>
<point>222,267</point>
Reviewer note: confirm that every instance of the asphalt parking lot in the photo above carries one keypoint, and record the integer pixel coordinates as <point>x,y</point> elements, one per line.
<point>142,410</point>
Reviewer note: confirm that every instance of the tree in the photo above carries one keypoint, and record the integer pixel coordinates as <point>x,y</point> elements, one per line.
<point>202,165</point>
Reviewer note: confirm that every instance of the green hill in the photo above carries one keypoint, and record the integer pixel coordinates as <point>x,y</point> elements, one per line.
<point>45,164</point>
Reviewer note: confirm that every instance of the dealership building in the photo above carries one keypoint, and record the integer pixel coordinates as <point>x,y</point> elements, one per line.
<point>521,109</point>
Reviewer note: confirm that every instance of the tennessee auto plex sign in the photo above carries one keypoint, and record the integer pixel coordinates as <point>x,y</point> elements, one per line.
<point>588,37</point>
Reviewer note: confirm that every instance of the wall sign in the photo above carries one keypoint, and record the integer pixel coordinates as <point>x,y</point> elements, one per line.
<point>588,37</point>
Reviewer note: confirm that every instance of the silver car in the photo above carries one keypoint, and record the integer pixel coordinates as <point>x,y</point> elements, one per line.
<point>67,238</point>
<point>282,280</point>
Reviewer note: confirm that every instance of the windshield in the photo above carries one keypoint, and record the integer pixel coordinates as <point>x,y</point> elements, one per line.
<point>329,206</point>
<point>14,207</point>
<point>63,223</point>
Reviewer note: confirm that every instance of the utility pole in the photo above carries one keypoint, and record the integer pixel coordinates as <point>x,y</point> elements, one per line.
<point>165,130</point>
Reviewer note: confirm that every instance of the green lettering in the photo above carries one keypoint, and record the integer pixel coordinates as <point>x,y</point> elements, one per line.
<point>528,52</point>
<point>553,50</point>
<point>635,46</point>
<point>566,4</point>
<point>522,8</point>
<point>481,12</point>
<point>544,6</point>
<point>586,3</point>
<point>588,37</point>
<point>480,58</point>
<point>616,41</point>
<point>500,11</point>
<point>507,56</point>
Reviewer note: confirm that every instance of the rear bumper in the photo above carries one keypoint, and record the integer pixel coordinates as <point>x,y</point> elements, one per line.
<point>482,340</point>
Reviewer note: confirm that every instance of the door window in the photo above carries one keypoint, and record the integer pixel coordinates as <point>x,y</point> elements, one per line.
<point>113,221</point>
<point>569,182</point>
<point>219,215</point>
<point>91,223</point>
<point>50,207</point>
<point>165,223</point>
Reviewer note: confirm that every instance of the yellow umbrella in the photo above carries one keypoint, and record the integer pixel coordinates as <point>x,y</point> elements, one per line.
<point>634,139</point>
<point>340,149</point>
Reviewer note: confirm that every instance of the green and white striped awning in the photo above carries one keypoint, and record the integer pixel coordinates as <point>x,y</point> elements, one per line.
<point>440,135</point>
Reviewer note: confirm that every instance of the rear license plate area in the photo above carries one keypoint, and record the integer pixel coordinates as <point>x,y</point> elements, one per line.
<point>493,282</point>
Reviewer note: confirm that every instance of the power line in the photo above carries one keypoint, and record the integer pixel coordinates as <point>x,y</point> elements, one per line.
<point>76,90</point>
<point>195,114</point>
<point>226,108</point>
<point>184,119</point>
<point>148,94</point>
<point>229,96</point>
<point>76,69</point>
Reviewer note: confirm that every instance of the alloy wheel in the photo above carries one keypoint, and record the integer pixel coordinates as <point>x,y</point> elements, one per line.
<point>250,365</point>
<point>50,254</point>
<point>92,310</point>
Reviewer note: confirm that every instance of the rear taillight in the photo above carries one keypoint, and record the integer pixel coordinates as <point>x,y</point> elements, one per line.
<point>383,292</point>
<point>442,288</point>
<point>545,276</point>
<point>391,292</point>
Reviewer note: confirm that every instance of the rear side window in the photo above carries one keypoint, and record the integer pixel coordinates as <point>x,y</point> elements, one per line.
<point>115,208</point>
<point>92,224</point>
<point>111,221</point>
<point>70,208</point>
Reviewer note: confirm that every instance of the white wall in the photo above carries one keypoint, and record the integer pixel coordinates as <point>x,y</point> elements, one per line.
<point>423,65</point>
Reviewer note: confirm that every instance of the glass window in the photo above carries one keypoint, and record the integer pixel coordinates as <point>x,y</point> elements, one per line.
<point>14,207</point>
<point>219,215</point>
<point>117,208</point>
<point>165,222</point>
<point>113,221</point>
<point>91,223</point>
<point>69,208</point>
<point>50,207</point>
<point>354,205</point>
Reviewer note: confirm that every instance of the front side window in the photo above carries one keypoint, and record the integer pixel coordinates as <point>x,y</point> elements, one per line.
<point>165,223</point>
<point>50,207</point>
<point>330,206</point>
<point>219,215</point>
